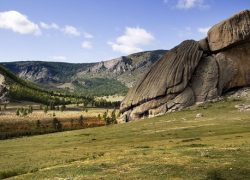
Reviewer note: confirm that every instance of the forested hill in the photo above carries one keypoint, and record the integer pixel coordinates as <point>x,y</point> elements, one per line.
<point>17,89</point>
<point>92,79</point>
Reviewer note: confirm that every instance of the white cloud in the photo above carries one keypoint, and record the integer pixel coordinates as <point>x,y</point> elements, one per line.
<point>49,26</point>
<point>203,30</point>
<point>188,4</point>
<point>132,40</point>
<point>59,58</point>
<point>87,35</point>
<point>18,22</point>
<point>71,30</point>
<point>87,45</point>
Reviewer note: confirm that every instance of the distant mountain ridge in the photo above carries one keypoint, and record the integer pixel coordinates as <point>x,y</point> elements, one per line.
<point>102,78</point>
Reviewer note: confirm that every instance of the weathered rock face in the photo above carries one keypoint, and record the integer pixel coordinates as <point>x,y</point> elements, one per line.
<point>205,79</point>
<point>230,32</point>
<point>194,71</point>
<point>234,65</point>
<point>169,75</point>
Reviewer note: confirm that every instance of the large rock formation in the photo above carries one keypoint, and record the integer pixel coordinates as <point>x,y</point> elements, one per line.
<point>230,32</point>
<point>194,71</point>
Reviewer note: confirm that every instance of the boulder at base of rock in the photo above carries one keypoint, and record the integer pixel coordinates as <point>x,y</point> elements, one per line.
<point>230,32</point>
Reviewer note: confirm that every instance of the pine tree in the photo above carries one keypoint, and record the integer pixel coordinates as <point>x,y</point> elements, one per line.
<point>25,112</point>
<point>5,106</point>
<point>38,124</point>
<point>45,109</point>
<point>99,117</point>
<point>57,125</point>
<point>113,117</point>
<point>30,110</point>
<point>17,112</point>
<point>63,107</point>
<point>81,120</point>
<point>105,114</point>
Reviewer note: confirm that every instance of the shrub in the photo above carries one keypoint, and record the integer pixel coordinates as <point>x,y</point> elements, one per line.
<point>57,125</point>
<point>81,120</point>
<point>38,124</point>
<point>214,174</point>
<point>45,110</point>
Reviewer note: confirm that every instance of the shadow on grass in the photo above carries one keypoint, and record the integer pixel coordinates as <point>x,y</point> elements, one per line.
<point>231,173</point>
<point>8,174</point>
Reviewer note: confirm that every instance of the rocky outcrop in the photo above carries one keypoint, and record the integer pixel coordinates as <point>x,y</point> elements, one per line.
<point>234,65</point>
<point>205,80</point>
<point>170,75</point>
<point>3,90</point>
<point>194,72</point>
<point>230,32</point>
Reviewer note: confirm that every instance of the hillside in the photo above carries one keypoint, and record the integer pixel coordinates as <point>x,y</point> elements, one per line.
<point>17,89</point>
<point>180,145</point>
<point>101,78</point>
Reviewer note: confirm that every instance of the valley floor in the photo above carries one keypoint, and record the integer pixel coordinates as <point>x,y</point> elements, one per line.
<point>40,122</point>
<point>174,146</point>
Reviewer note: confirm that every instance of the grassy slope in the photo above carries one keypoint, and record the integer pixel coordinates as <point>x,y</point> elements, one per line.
<point>23,90</point>
<point>174,146</point>
<point>12,78</point>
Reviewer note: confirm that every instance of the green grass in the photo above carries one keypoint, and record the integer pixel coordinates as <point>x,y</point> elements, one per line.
<point>173,146</point>
<point>100,87</point>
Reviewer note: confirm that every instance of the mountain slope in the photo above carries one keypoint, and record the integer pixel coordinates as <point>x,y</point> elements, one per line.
<point>15,88</point>
<point>85,78</point>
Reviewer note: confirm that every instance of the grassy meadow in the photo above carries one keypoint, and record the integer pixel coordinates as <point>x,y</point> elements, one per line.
<point>38,122</point>
<point>111,98</point>
<point>174,146</point>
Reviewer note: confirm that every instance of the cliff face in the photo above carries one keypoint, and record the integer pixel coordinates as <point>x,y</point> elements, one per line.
<point>194,71</point>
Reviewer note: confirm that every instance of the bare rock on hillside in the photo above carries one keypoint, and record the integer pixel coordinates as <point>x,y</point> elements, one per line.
<point>194,72</point>
<point>205,80</point>
<point>169,75</point>
<point>234,65</point>
<point>230,32</point>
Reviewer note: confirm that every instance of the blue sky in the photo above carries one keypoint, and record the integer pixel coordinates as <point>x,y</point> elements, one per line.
<point>81,31</point>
